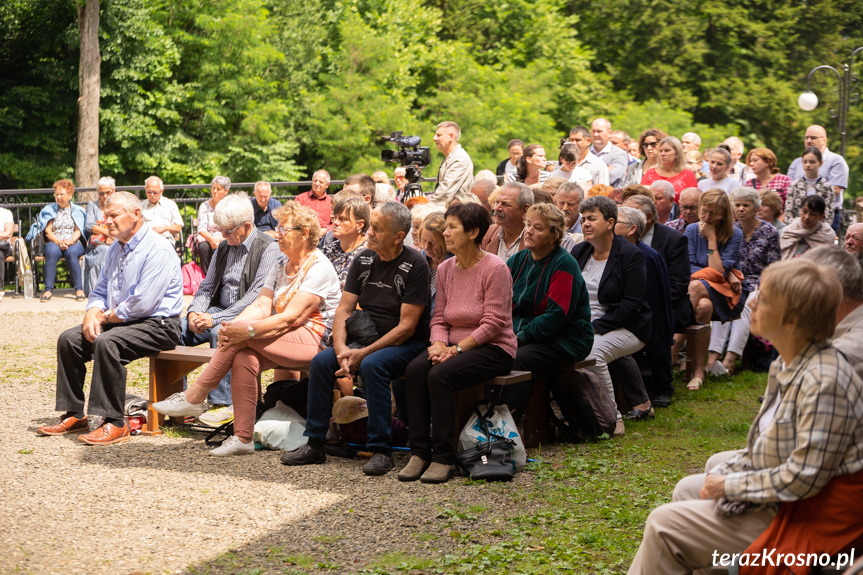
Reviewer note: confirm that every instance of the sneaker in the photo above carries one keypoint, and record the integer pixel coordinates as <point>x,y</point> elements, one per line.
<point>177,406</point>
<point>619,429</point>
<point>379,464</point>
<point>218,416</point>
<point>305,455</point>
<point>233,446</point>
<point>716,369</point>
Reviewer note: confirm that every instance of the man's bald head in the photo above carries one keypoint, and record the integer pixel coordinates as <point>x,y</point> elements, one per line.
<point>854,240</point>
<point>816,136</point>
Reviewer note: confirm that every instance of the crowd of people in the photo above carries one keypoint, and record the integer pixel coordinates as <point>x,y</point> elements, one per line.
<point>607,254</point>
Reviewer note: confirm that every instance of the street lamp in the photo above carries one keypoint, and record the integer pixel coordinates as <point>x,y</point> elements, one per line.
<point>845,80</point>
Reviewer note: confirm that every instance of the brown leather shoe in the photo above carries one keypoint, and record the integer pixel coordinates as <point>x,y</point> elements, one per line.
<point>107,434</point>
<point>66,425</point>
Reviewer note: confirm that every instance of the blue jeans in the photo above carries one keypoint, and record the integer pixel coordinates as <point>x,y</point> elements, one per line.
<point>837,220</point>
<point>53,253</point>
<point>377,371</point>
<point>222,394</point>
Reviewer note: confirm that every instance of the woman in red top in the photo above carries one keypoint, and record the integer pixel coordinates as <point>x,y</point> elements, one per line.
<point>672,167</point>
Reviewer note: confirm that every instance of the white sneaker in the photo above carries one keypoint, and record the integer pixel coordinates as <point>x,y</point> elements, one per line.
<point>177,406</point>
<point>233,446</point>
<point>218,416</point>
<point>717,369</point>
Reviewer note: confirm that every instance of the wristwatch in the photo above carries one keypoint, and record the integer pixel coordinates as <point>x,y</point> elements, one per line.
<point>458,348</point>
<point>710,252</point>
<point>251,332</point>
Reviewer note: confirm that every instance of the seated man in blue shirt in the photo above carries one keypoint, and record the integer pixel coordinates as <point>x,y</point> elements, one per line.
<point>234,280</point>
<point>264,205</point>
<point>133,312</point>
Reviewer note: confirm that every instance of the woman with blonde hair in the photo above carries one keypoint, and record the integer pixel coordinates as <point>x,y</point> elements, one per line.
<point>716,289</point>
<point>671,167</point>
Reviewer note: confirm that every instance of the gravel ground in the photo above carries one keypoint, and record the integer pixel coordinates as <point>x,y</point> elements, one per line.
<point>161,505</point>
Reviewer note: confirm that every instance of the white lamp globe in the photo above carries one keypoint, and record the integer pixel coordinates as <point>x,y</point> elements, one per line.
<point>807,101</point>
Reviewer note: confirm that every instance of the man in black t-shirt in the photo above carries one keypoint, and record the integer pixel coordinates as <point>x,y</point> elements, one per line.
<point>391,284</point>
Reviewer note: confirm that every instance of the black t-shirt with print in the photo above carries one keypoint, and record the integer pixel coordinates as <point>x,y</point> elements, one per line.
<point>383,287</point>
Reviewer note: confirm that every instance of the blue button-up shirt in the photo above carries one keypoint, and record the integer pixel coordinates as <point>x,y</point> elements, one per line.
<point>140,279</point>
<point>616,159</point>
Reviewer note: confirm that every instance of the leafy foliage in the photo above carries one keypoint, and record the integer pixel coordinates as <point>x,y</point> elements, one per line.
<point>263,89</point>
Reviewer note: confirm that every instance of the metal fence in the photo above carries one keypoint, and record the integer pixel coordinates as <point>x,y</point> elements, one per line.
<point>25,204</point>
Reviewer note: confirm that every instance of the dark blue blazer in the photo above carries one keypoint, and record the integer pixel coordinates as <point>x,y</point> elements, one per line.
<point>658,296</point>
<point>674,249</point>
<point>621,288</point>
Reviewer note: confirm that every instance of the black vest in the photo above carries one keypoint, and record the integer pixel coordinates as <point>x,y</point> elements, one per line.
<point>250,267</point>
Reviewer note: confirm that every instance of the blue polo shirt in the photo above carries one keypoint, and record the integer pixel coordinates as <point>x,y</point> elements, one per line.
<point>264,220</point>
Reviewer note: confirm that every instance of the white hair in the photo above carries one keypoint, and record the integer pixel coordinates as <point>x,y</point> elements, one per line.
<point>383,193</point>
<point>233,210</point>
<point>107,181</point>
<point>696,139</point>
<point>156,179</point>
<point>486,175</point>
<point>663,187</point>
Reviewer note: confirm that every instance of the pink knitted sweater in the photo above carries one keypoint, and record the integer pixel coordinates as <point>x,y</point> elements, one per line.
<point>475,302</point>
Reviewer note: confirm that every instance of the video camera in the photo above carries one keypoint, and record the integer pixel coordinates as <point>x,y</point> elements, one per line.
<point>410,155</point>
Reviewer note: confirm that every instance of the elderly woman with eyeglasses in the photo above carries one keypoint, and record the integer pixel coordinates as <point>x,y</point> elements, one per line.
<point>209,236</point>
<point>286,326</point>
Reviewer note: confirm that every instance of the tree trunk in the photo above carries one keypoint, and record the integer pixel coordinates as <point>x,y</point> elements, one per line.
<point>89,86</point>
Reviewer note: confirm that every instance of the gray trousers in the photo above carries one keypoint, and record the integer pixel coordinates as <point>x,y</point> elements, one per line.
<point>116,346</point>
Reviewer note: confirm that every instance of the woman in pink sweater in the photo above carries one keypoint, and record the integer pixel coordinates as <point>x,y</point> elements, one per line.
<point>472,340</point>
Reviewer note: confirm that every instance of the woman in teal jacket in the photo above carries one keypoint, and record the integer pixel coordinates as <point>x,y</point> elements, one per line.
<point>550,307</point>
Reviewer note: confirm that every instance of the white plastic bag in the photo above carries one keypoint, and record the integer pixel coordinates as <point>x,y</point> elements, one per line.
<point>281,428</point>
<point>501,423</point>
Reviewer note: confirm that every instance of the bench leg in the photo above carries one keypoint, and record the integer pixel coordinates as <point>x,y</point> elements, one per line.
<point>690,356</point>
<point>536,425</point>
<point>166,379</point>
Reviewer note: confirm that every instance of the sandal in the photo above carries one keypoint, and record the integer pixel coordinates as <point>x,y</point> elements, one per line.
<point>80,297</point>
<point>694,384</point>
<point>46,296</point>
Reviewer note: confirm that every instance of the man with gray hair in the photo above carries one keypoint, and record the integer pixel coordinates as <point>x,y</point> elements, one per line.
<point>654,359</point>
<point>690,141</point>
<point>848,336</point>
<point>318,200</point>
<point>456,171</point>
<point>615,158</point>
<point>264,204</point>
<point>390,283</point>
<point>506,235</point>
<point>854,240</point>
<point>483,189</point>
<point>663,198</point>
<point>688,206</point>
<point>568,199</point>
<point>133,311</point>
<point>160,213</point>
<point>234,279</point>
<point>740,170</point>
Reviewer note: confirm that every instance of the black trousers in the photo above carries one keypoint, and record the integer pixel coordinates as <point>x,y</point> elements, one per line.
<point>541,359</point>
<point>205,254</point>
<point>116,346</point>
<point>431,396</point>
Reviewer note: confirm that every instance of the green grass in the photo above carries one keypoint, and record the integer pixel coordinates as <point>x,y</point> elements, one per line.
<point>583,510</point>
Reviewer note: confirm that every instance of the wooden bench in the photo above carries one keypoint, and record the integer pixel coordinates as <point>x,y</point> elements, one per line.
<point>536,423</point>
<point>690,332</point>
<point>167,369</point>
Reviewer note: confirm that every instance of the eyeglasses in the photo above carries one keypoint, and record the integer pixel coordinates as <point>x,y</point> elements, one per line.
<point>649,144</point>
<point>684,208</point>
<point>105,193</point>
<point>230,232</point>
<point>282,229</point>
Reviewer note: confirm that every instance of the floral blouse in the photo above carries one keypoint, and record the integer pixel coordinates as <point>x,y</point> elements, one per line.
<point>206,223</point>
<point>64,226</point>
<point>798,191</point>
<point>760,251</point>
<point>340,259</point>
